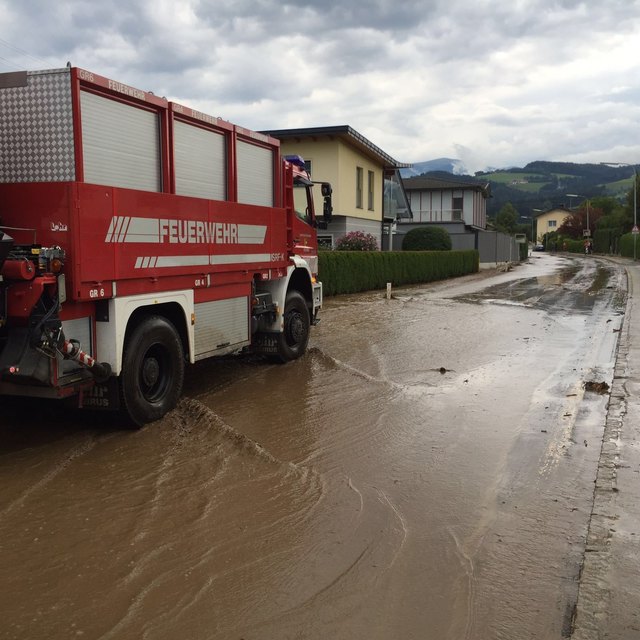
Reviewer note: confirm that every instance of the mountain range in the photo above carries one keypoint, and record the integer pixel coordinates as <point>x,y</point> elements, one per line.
<point>448,165</point>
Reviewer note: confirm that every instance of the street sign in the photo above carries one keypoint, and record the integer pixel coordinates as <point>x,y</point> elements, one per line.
<point>586,233</point>
<point>635,230</point>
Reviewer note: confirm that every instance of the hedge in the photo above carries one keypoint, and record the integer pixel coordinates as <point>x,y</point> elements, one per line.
<point>353,271</point>
<point>523,247</point>
<point>427,239</point>
<point>626,245</point>
<point>607,240</point>
<point>573,246</point>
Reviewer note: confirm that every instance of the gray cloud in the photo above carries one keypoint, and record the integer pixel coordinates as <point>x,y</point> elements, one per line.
<point>500,83</point>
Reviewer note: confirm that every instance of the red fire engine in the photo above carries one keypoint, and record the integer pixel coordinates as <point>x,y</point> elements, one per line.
<point>137,234</point>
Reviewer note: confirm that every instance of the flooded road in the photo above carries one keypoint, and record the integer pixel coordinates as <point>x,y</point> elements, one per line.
<point>425,471</point>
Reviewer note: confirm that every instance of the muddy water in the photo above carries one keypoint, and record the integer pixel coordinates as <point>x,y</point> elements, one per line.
<point>425,471</point>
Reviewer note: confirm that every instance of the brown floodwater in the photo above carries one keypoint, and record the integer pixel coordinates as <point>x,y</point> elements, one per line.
<point>425,471</point>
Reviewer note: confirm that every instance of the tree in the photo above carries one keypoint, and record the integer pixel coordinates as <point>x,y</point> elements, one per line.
<point>614,214</point>
<point>507,218</point>
<point>427,239</point>
<point>576,221</point>
<point>608,204</point>
<point>525,229</point>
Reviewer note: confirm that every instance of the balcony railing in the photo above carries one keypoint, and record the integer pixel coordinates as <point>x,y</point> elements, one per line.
<point>437,215</point>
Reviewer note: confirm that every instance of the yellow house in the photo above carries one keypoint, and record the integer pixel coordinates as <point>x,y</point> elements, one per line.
<point>367,190</point>
<point>550,221</point>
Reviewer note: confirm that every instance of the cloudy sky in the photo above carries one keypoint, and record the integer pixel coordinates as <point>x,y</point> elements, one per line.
<point>494,84</point>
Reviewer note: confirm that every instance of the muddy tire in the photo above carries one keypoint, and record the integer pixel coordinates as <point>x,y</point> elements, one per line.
<point>292,342</point>
<point>152,371</point>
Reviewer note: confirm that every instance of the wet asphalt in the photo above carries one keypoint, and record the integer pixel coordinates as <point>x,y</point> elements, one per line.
<point>427,470</point>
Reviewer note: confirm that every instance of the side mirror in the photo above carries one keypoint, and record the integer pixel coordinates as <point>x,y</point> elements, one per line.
<point>327,206</point>
<point>327,209</point>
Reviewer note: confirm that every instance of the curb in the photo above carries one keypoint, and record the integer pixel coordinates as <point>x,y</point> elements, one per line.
<point>594,592</point>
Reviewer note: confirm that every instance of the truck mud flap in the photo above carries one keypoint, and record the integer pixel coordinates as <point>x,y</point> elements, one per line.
<point>102,397</point>
<point>265,343</point>
<point>20,363</point>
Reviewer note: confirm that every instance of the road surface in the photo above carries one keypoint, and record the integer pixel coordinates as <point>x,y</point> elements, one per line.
<point>425,471</point>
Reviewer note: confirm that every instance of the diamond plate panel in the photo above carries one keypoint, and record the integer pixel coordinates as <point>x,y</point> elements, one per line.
<point>36,128</point>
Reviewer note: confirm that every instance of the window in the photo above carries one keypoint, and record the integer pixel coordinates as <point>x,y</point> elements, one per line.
<point>359,186</point>
<point>553,223</point>
<point>370,191</point>
<point>301,196</point>
<point>395,204</point>
<point>457,203</point>
<point>307,166</point>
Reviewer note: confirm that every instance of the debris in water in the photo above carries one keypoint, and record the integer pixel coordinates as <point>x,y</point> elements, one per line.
<point>596,387</point>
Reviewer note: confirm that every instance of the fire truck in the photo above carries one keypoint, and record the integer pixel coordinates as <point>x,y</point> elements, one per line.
<point>138,235</point>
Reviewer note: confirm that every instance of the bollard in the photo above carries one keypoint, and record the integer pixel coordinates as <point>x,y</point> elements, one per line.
<point>388,291</point>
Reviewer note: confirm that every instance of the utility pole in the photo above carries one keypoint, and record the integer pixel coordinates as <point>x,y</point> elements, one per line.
<point>635,211</point>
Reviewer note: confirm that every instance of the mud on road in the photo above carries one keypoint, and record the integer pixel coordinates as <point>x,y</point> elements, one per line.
<point>425,471</point>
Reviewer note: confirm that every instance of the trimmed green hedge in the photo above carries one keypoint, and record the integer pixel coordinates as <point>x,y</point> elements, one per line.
<point>523,247</point>
<point>626,245</point>
<point>353,271</point>
<point>427,239</point>
<point>573,246</point>
<point>607,240</point>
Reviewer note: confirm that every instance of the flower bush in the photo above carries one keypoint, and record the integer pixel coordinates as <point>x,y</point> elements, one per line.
<point>357,241</point>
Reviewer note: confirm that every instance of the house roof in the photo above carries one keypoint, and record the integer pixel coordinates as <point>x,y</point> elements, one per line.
<point>341,132</point>
<point>424,183</point>
<point>560,208</point>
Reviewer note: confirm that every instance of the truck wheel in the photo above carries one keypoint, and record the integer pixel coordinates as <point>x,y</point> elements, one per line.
<point>292,342</point>
<point>152,371</point>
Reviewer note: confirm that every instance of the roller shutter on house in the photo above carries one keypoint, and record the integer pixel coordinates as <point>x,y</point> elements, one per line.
<point>199,162</point>
<point>120,144</point>
<point>255,174</point>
